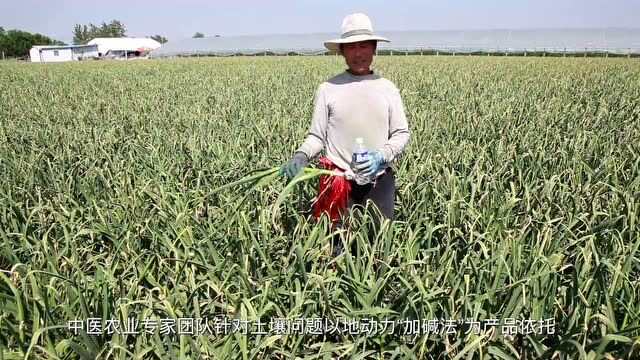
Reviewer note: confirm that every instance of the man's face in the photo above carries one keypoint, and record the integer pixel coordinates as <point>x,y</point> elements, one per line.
<point>359,55</point>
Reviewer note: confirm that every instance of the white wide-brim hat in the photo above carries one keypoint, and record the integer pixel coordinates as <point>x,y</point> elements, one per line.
<point>355,27</point>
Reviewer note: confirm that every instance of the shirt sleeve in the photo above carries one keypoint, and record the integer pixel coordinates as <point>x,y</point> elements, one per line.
<point>316,137</point>
<point>398,128</point>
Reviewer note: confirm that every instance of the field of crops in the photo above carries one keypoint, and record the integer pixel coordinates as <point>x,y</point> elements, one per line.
<point>518,197</point>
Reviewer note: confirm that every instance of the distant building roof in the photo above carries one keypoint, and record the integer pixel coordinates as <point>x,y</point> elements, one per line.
<point>609,39</point>
<point>128,44</point>
<point>57,47</point>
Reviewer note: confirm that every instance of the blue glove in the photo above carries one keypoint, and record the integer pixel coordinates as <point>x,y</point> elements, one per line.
<point>292,167</point>
<point>370,166</point>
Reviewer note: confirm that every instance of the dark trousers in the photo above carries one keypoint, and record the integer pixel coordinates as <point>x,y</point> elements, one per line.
<point>381,193</point>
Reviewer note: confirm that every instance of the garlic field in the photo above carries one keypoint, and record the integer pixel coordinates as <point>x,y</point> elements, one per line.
<point>517,210</point>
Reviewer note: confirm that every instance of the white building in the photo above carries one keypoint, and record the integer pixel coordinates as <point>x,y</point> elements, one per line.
<point>124,47</point>
<point>49,53</point>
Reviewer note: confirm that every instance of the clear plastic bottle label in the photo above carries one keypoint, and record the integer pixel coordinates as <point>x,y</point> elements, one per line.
<point>359,157</point>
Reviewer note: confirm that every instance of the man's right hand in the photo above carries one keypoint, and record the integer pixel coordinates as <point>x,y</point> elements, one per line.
<point>292,167</point>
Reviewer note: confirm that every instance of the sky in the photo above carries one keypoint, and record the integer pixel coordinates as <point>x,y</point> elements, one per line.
<point>181,19</point>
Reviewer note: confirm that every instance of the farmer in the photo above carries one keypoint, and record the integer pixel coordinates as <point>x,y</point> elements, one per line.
<point>357,103</point>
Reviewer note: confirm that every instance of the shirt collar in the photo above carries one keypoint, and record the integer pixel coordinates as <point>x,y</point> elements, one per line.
<point>370,76</point>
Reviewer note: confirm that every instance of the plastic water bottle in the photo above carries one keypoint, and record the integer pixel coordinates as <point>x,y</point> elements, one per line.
<point>360,154</point>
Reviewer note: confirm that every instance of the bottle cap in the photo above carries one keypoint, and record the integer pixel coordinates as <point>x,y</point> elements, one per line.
<point>359,140</point>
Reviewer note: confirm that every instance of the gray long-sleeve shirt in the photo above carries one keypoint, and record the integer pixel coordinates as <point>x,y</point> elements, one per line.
<point>350,106</point>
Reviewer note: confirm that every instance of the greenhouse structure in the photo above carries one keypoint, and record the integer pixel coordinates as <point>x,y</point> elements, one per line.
<point>617,41</point>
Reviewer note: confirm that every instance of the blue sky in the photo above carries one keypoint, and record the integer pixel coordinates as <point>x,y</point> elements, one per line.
<point>176,20</point>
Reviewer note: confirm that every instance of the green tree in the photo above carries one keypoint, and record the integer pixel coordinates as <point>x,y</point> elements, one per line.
<point>114,29</point>
<point>198,35</point>
<point>2,32</point>
<point>16,43</point>
<point>82,34</point>
<point>159,38</point>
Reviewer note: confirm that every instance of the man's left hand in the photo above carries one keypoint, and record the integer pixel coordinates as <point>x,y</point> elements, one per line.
<point>371,165</point>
